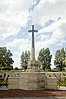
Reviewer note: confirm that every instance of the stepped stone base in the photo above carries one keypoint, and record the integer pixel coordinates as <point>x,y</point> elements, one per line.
<point>32,66</point>
<point>32,80</point>
<point>3,88</point>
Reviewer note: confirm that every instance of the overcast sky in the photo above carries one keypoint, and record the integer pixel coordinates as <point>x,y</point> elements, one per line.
<point>16,18</point>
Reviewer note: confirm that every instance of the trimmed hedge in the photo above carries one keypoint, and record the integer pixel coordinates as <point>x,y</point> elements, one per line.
<point>4,83</point>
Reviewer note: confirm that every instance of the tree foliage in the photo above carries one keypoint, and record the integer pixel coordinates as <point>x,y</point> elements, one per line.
<point>5,58</point>
<point>44,58</point>
<point>60,59</point>
<point>24,59</point>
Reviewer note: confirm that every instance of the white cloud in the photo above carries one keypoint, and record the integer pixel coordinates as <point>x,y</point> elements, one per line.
<point>48,9</point>
<point>22,45</point>
<point>51,28</point>
<point>52,62</point>
<point>18,42</point>
<point>13,15</point>
<point>57,30</point>
<point>55,36</point>
<point>16,59</point>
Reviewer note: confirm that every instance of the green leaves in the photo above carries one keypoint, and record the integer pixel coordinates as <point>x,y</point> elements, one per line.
<point>44,58</point>
<point>5,58</point>
<point>60,59</point>
<point>24,59</point>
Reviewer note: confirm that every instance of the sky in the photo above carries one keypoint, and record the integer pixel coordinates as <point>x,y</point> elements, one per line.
<point>17,17</point>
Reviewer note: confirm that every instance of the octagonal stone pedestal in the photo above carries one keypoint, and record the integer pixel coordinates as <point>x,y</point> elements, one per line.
<point>32,80</point>
<point>32,66</point>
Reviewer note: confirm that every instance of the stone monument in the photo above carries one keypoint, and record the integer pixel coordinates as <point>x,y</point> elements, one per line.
<point>32,63</point>
<point>32,79</point>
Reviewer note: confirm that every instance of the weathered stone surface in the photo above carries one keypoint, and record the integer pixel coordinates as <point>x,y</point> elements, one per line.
<point>51,83</point>
<point>32,66</point>
<point>32,81</point>
<point>14,83</point>
<point>33,47</point>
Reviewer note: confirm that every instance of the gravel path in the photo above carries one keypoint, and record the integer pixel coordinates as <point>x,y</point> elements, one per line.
<point>33,94</point>
<point>37,98</point>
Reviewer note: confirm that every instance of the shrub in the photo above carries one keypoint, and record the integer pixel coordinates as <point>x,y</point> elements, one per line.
<point>4,83</point>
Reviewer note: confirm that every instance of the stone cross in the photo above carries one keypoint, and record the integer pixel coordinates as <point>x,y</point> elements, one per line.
<point>33,47</point>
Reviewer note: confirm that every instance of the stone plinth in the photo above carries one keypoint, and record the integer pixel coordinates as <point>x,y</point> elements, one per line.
<point>32,80</point>
<point>32,66</point>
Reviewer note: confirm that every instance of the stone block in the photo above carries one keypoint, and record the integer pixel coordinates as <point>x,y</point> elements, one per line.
<point>32,66</point>
<point>51,83</point>
<point>14,83</point>
<point>51,87</point>
<point>32,81</point>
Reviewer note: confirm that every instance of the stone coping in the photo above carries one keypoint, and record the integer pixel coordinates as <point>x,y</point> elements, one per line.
<point>32,72</point>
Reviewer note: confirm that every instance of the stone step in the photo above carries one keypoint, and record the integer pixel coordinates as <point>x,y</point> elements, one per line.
<point>3,88</point>
<point>62,88</point>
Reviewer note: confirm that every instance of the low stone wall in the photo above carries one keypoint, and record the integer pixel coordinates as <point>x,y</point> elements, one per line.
<point>32,80</point>
<point>14,83</point>
<point>51,83</point>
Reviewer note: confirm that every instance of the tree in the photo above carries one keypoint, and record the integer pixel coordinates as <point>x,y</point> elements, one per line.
<point>64,62</point>
<point>44,58</point>
<point>60,59</point>
<point>5,58</point>
<point>24,59</point>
